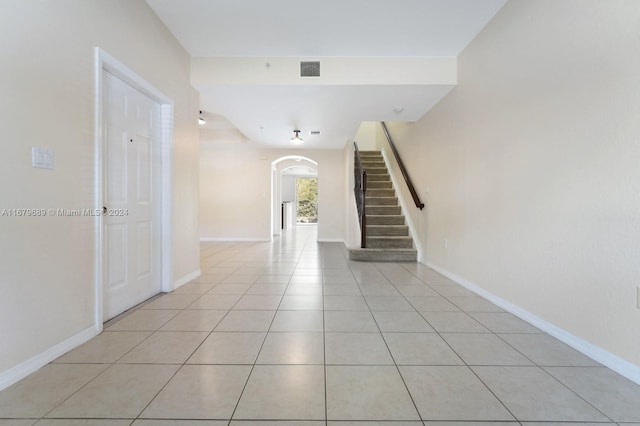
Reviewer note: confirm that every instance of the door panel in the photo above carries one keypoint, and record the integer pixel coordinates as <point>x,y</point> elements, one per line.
<point>131,224</point>
<point>144,249</point>
<point>143,160</point>
<point>116,164</point>
<point>116,255</point>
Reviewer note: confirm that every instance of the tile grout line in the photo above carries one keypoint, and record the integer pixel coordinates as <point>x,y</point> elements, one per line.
<point>186,359</point>
<point>574,392</point>
<point>534,364</point>
<point>253,366</point>
<point>415,405</point>
<point>324,347</point>
<point>112,364</point>
<point>249,254</point>
<point>466,364</point>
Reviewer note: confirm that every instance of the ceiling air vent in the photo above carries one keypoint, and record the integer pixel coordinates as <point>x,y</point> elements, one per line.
<point>310,69</point>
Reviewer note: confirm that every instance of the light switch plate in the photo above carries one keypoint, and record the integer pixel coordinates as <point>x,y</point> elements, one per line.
<point>42,158</point>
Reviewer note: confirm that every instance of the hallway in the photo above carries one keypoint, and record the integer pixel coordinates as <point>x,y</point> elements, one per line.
<point>293,331</point>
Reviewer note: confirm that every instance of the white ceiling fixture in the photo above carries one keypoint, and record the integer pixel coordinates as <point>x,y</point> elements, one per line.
<point>297,140</point>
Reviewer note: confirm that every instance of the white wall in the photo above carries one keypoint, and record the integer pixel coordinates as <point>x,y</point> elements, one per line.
<point>235,185</point>
<point>288,185</point>
<point>415,218</point>
<point>186,191</point>
<point>366,136</point>
<point>235,188</point>
<point>532,166</point>
<point>47,268</point>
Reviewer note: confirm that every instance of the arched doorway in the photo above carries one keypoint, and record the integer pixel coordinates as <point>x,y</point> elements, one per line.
<point>289,208</point>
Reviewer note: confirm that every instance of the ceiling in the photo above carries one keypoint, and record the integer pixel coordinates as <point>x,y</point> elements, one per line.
<point>267,113</point>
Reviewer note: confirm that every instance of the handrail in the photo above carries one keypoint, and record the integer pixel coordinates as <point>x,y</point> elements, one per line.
<point>359,190</point>
<point>403,170</point>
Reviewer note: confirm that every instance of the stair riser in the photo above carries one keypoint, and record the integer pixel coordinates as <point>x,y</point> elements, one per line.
<point>378,185</point>
<point>385,220</point>
<point>382,242</point>
<point>365,255</point>
<point>373,164</point>
<point>378,178</point>
<point>375,170</point>
<point>387,231</point>
<point>381,192</point>
<point>381,201</point>
<point>382,210</point>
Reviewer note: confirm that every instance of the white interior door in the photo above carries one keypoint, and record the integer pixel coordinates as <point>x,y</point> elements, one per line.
<point>131,233</point>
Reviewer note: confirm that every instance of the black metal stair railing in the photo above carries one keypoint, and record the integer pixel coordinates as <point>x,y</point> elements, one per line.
<point>360,189</point>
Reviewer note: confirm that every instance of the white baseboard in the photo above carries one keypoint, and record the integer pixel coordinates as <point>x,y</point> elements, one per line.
<point>230,239</point>
<point>33,364</point>
<point>614,362</point>
<point>182,281</point>
<point>331,240</point>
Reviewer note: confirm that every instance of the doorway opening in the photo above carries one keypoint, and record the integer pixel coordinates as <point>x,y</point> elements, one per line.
<point>306,200</point>
<point>289,208</point>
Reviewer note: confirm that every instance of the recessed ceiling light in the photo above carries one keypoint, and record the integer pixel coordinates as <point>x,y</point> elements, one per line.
<point>398,110</point>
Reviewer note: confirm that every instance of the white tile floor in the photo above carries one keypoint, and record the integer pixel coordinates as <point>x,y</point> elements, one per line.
<point>292,333</point>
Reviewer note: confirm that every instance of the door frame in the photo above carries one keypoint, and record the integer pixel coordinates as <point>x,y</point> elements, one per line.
<point>105,62</point>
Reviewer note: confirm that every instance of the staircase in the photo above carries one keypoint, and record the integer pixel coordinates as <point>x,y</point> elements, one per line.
<point>388,237</point>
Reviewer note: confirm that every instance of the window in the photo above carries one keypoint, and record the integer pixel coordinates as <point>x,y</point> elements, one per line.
<point>306,200</point>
